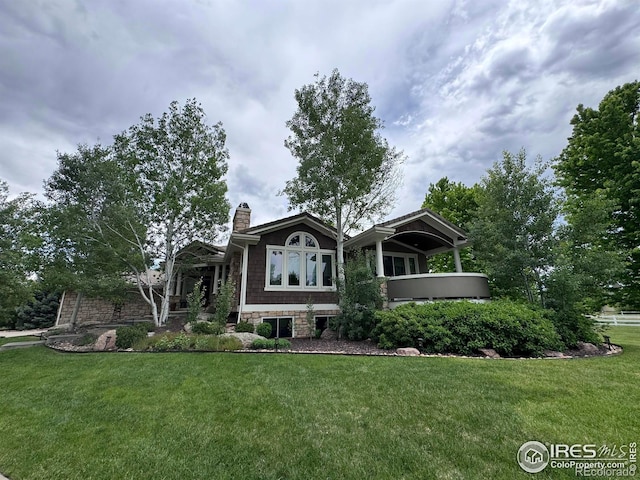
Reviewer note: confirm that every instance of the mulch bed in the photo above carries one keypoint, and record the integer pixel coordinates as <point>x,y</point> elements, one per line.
<point>367,347</point>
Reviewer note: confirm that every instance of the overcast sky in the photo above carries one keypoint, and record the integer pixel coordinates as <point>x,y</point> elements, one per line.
<point>455,82</point>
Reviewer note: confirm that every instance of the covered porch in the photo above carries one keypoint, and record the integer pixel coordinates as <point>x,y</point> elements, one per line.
<point>195,262</point>
<point>402,248</point>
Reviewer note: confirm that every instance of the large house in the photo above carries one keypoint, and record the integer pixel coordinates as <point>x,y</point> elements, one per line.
<point>281,266</point>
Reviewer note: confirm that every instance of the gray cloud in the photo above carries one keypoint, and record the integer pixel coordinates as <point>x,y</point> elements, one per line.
<point>455,82</point>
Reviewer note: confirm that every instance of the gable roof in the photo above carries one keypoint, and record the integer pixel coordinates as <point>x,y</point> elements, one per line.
<point>303,217</point>
<point>424,212</point>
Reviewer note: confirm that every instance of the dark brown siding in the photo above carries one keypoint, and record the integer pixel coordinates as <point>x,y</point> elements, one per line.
<point>258,263</point>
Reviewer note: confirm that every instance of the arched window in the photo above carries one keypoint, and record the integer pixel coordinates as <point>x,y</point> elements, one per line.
<point>300,264</point>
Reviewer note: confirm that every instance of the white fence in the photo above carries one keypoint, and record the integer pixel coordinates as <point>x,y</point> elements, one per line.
<point>630,319</point>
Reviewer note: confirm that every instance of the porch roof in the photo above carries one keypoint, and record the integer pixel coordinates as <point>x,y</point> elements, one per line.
<point>423,231</point>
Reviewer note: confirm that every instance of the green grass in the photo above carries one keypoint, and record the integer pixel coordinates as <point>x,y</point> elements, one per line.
<point>26,338</point>
<point>183,416</point>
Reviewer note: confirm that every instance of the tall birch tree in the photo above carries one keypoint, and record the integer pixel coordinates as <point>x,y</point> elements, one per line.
<point>134,205</point>
<point>347,173</point>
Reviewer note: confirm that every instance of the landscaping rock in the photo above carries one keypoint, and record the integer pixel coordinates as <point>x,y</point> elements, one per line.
<point>587,348</point>
<point>328,334</point>
<point>554,354</point>
<point>106,341</point>
<point>408,352</point>
<point>489,352</point>
<point>245,337</point>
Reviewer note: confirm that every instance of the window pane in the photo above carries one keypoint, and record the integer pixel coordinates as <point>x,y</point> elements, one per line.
<point>284,327</point>
<point>412,266</point>
<point>327,271</point>
<point>275,268</point>
<point>312,271</point>
<point>295,241</point>
<point>293,267</point>
<point>398,266</point>
<point>274,325</point>
<point>388,266</point>
<point>309,242</point>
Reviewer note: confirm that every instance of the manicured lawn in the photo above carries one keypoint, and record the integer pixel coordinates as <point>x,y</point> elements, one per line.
<point>183,416</point>
<point>26,338</point>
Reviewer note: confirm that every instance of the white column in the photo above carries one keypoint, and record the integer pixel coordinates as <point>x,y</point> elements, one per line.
<point>216,278</point>
<point>224,274</point>
<point>243,280</point>
<point>379,262</point>
<point>456,259</point>
<point>179,284</point>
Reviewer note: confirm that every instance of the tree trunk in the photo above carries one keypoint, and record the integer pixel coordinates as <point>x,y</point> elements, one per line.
<point>167,284</point>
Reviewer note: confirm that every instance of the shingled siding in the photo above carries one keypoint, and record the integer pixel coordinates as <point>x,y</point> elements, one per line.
<point>93,310</point>
<point>256,270</point>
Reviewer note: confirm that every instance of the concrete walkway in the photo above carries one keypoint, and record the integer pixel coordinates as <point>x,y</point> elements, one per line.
<point>20,333</point>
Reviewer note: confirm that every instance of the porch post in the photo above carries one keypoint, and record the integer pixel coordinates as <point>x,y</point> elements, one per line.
<point>379,262</point>
<point>179,284</point>
<point>223,276</point>
<point>216,278</point>
<point>456,259</point>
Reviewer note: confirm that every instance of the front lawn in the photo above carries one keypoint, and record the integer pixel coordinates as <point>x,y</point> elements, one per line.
<point>225,415</point>
<point>26,338</point>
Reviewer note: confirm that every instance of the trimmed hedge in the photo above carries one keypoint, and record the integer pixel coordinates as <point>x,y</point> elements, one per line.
<point>245,327</point>
<point>510,328</point>
<point>270,344</point>
<point>264,329</point>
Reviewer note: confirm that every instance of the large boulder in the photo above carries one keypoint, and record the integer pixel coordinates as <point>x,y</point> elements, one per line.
<point>587,348</point>
<point>245,337</point>
<point>408,352</point>
<point>489,352</point>
<point>106,341</point>
<point>328,334</point>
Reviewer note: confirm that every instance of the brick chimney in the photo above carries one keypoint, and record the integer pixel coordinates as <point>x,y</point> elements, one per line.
<point>242,217</point>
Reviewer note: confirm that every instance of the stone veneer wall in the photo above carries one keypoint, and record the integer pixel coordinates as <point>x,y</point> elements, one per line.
<point>300,326</point>
<point>93,310</point>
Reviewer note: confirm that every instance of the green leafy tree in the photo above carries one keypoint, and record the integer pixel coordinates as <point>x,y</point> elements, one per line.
<point>457,203</point>
<point>137,203</point>
<point>224,302</point>
<point>513,232</point>
<point>195,302</point>
<point>347,173</point>
<point>19,247</point>
<point>93,222</point>
<point>602,158</point>
<point>362,297</point>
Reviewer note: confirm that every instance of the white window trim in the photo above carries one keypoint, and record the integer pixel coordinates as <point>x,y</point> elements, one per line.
<point>302,249</point>
<point>406,257</point>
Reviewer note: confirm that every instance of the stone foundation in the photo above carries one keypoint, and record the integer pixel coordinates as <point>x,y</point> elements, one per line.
<point>300,326</point>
